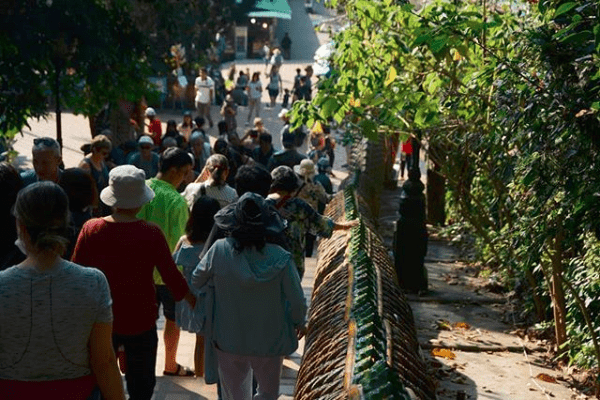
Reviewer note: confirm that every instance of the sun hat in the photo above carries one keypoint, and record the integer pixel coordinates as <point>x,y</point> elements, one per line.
<point>306,169</point>
<point>126,188</point>
<point>255,218</point>
<point>283,113</point>
<point>150,112</point>
<point>145,140</point>
<point>285,178</point>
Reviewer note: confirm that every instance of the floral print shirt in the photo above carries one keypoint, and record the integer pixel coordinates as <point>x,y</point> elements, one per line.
<point>302,219</point>
<point>313,193</point>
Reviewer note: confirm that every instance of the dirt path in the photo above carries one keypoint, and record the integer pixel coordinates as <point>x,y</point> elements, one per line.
<point>473,328</point>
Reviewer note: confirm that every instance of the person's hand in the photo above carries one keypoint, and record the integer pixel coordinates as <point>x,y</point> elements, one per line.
<point>191,299</point>
<point>300,331</point>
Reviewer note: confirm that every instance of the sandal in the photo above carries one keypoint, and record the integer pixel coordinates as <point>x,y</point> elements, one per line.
<point>180,371</point>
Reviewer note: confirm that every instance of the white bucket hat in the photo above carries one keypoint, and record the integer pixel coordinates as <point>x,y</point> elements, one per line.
<point>306,169</point>
<point>150,112</point>
<point>283,113</point>
<point>126,188</point>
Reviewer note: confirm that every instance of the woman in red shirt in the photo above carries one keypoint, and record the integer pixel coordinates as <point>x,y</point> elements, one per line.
<point>154,126</point>
<point>127,250</point>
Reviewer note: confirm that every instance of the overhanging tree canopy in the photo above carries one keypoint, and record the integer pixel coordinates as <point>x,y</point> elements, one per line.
<point>89,51</point>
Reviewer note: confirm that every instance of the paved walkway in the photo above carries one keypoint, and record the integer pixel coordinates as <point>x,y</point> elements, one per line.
<point>76,132</point>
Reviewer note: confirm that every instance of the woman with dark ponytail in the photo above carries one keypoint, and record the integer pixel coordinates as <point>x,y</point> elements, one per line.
<point>56,318</point>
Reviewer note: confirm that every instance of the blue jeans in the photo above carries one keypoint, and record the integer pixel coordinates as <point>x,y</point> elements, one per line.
<point>140,360</point>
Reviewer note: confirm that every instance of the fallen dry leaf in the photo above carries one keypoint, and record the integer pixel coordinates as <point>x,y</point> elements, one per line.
<point>462,325</point>
<point>546,378</point>
<point>444,353</point>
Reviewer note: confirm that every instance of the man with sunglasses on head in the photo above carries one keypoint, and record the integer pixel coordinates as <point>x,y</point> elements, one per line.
<point>47,161</point>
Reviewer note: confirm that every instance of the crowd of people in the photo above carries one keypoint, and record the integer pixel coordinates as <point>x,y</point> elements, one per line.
<point>216,235</point>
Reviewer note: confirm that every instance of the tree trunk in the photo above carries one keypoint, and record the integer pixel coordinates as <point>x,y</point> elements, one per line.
<point>436,197</point>
<point>58,110</point>
<point>557,292</point>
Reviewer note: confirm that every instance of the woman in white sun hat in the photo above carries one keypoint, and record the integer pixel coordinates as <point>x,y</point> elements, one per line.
<point>127,249</point>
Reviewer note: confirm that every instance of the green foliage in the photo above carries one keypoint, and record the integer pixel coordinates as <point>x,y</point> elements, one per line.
<point>507,102</point>
<point>89,50</point>
<point>194,24</point>
<point>584,275</point>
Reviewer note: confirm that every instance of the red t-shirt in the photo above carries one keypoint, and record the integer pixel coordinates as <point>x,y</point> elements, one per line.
<point>407,147</point>
<point>127,253</point>
<point>155,131</point>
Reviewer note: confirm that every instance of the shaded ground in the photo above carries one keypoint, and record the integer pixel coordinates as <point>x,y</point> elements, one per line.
<point>486,359</point>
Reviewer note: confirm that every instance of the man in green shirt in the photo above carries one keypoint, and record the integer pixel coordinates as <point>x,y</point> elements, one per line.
<point>169,211</point>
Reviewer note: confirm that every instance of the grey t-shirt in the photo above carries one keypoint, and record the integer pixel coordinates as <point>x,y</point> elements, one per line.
<point>46,319</point>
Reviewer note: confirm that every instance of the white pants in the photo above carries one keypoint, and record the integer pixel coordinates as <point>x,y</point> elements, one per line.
<point>253,105</point>
<point>235,374</point>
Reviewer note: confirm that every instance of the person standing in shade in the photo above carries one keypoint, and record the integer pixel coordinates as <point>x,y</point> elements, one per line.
<point>265,149</point>
<point>286,45</point>
<point>229,112</point>
<point>145,159</point>
<point>406,157</point>
<point>324,169</point>
<point>56,320</point>
<point>95,165</point>
<point>10,185</point>
<point>205,93</point>
<point>46,162</point>
<point>154,126</point>
<point>187,126</point>
<point>187,255</point>
<point>254,93</point>
<point>289,156</point>
<point>200,150</point>
<point>127,250</point>
<point>169,210</point>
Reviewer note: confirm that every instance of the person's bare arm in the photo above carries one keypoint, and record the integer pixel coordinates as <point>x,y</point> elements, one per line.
<point>85,166</point>
<point>104,363</point>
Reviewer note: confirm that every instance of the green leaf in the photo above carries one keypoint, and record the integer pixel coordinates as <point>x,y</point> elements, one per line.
<point>564,8</point>
<point>369,129</point>
<point>578,38</point>
<point>438,44</point>
<point>329,107</point>
<point>420,40</point>
<point>391,76</point>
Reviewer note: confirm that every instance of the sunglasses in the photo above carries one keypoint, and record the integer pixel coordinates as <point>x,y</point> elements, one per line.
<point>45,141</point>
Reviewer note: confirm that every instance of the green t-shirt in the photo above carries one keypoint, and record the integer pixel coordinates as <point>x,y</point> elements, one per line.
<point>169,210</point>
